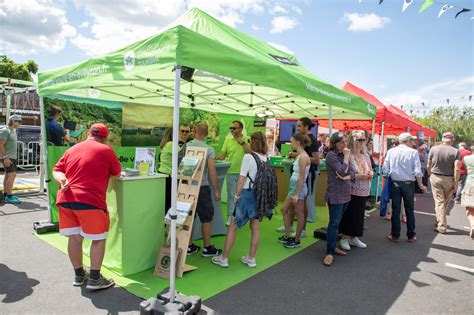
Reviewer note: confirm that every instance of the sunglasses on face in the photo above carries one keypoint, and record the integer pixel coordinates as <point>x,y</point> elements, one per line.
<point>233,128</point>
<point>185,131</point>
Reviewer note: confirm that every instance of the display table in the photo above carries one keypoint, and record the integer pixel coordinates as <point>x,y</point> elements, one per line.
<point>218,224</point>
<point>137,208</point>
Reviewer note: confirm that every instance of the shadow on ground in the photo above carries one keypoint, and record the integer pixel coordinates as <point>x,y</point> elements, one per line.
<point>365,281</point>
<point>15,285</point>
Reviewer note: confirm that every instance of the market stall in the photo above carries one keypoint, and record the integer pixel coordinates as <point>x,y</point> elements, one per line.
<point>199,63</point>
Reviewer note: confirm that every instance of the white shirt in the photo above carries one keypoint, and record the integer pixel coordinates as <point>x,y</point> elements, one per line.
<point>402,164</point>
<point>249,166</point>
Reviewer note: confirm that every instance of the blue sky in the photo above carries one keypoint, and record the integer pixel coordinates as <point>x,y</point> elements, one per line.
<point>404,58</point>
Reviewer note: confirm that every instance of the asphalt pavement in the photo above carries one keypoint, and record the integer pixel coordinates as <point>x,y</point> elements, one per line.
<point>435,275</point>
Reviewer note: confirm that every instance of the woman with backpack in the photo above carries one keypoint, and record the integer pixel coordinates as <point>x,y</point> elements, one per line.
<point>297,191</point>
<point>246,203</point>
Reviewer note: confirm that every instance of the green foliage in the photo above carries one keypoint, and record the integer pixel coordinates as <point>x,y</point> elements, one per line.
<point>193,116</point>
<point>459,120</point>
<point>86,114</point>
<point>11,69</point>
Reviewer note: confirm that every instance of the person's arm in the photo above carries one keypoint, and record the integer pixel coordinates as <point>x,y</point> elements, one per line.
<point>238,189</point>
<point>115,167</point>
<point>315,157</point>
<point>6,160</point>
<point>457,172</point>
<point>333,162</point>
<point>59,173</point>
<point>303,162</point>
<point>211,166</point>
<point>418,173</point>
<point>430,163</point>
<point>386,165</point>
<point>223,153</point>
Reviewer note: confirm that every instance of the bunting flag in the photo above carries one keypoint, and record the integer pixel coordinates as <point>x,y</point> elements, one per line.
<point>426,5</point>
<point>470,98</point>
<point>380,2</point>
<point>447,100</point>
<point>443,10</point>
<point>406,4</point>
<point>462,11</point>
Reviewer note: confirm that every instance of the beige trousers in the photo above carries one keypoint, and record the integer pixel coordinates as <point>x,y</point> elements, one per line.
<point>442,187</point>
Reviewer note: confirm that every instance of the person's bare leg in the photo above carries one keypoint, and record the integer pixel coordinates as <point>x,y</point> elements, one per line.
<point>299,213</point>
<point>206,233</point>
<point>470,217</point>
<point>255,226</point>
<point>230,239</point>
<point>305,214</point>
<point>285,211</point>
<point>74,250</point>
<point>97,254</point>
<point>8,183</point>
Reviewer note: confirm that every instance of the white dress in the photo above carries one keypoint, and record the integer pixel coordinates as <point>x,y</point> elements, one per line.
<point>467,197</point>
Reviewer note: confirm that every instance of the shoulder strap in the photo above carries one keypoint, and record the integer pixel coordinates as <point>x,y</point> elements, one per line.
<point>257,160</point>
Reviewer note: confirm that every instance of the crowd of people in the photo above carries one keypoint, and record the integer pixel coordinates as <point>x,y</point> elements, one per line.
<point>350,170</point>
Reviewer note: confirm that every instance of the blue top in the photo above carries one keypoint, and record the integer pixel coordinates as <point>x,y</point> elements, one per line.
<point>402,164</point>
<point>54,132</point>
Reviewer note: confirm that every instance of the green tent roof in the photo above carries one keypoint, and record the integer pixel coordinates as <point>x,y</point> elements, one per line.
<point>228,71</point>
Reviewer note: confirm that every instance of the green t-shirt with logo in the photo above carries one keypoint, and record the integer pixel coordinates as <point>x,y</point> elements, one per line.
<point>10,138</point>
<point>234,153</point>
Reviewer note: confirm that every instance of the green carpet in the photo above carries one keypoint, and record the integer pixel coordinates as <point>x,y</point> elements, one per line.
<point>210,279</point>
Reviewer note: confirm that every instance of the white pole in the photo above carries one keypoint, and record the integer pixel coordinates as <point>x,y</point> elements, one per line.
<point>330,120</point>
<point>174,182</point>
<point>43,142</point>
<point>381,146</point>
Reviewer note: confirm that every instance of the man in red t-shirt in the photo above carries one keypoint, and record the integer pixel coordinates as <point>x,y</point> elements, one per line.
<point>83,173</point>
<point>464,152</point>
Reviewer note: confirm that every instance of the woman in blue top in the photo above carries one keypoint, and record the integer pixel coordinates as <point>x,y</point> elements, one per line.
<point>297,191</point>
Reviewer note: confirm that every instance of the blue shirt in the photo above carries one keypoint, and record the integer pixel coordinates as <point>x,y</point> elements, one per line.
<point>55,132</point>
<point>402,164</point>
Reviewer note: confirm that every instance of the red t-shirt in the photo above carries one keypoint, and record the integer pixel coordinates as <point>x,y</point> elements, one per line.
<point>464,153</point>
<point>88,166</point>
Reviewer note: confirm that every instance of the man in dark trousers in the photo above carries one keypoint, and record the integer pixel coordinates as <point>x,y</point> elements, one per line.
<point>83,173</point>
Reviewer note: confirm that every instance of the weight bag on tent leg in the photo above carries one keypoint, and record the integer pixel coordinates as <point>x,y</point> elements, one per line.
<point>161,305</point>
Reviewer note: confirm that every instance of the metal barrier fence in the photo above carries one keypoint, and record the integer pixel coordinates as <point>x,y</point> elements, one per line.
<point>29,155</point>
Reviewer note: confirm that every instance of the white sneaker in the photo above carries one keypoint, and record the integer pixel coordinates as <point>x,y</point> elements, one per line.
<point>344,244</point>
<point>281,229</point>
<point>357,242</point>
<point>367,215</point>
<point>227,223</point>
<point>303,234</point>
<point>220,261</point>
<point>252,263</point>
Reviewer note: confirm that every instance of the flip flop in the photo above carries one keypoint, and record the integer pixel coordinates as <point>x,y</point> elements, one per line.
<point>328,260</point>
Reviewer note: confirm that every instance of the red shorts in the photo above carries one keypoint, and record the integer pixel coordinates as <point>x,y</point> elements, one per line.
<point>92,224</point>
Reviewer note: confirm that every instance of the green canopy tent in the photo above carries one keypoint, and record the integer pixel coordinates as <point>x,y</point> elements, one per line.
<point>200,62</point>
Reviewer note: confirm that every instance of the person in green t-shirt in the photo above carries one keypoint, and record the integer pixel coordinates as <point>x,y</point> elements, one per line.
<point>9,156</point>
<point>166,156</point>
<point>233,151</point>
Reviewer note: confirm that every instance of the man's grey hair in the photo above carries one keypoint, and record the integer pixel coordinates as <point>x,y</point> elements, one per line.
<point>405,137</point>
<point>462,145</point>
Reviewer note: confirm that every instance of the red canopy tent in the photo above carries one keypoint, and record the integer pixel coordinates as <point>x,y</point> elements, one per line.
<point>427,131</point>
<point>394,122</point>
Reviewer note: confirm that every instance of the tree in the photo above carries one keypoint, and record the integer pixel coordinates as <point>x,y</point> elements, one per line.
<point>11,69</point>
<point>459,120</point>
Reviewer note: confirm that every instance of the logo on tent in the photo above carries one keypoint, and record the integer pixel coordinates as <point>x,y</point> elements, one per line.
<point>370,109</point>
<point>94,93</point>
<point>129,60</point>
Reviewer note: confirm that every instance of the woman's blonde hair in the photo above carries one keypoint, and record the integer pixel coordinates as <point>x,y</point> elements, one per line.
<point>167,137</point>
<point>353,140</point>
<point>258,143</point>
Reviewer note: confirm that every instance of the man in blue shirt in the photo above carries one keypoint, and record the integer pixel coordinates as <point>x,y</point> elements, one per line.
<point>402,164</point>
<point>55,133</point>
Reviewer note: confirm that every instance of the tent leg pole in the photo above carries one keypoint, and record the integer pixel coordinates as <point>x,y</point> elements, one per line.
<point>174,182</point>
<point>330,120</point>
<point>43,158</point>
<point>373,128</point>
<point>381,146</point>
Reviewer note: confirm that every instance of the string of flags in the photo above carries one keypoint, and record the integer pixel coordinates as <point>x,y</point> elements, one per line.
<point>428,3</point>
<point>426,108</point>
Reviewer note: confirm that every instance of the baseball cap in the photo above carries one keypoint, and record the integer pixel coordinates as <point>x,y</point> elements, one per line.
<point>448,135</point>
<point>15,118</point>
<point>99,130</point>
<point>404,137</point>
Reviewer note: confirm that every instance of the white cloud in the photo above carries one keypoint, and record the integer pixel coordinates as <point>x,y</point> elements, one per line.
<point>282,23</point>
<point>257,28</point>
<point>435,94</point>
<point>33,26</point>
<point>84,24</point>
<point>297,10</point>
<point>282,48</point>
<point>359,22</point>
<point>278,9</point>
<point>133,20</point>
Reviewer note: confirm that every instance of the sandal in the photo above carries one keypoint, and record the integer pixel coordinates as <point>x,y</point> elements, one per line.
<point>340,252</point>
<point>328,260</point>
